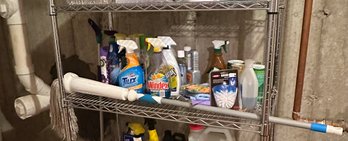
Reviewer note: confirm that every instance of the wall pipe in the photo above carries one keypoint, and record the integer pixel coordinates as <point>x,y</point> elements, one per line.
<point>29,105</point>
<point>306,25</point>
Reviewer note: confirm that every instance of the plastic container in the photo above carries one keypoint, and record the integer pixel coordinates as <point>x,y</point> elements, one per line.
<point>182,66</point>
<point>199,133</point>
<point>132,75</point>
<point>260,74</point>
<point>157,81</point>
<point>248,86</point>
<point>173,73</point>
<point>195,132</point>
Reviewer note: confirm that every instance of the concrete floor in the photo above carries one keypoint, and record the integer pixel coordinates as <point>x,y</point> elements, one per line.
<point>325,84</point>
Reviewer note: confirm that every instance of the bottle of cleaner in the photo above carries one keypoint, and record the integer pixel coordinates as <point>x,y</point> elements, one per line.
<point>132,75</point>
<point>157,81</point>
<point>182,66</point>
<point>173,73</point>
<point>218,62</point>
<point>249,85</point>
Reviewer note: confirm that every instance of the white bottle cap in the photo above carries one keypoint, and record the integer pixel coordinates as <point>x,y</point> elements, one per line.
<point>181,53</point>
<point>187,48</point>
<point>258,66</point>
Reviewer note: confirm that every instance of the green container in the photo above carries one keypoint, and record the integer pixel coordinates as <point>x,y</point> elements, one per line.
<point>260,74</point>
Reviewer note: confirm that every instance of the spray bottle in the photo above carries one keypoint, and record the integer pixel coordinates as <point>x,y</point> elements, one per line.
<point>173,74</point>
<point>218,62</point>
<point>157,81</point>
<point>132,75</point>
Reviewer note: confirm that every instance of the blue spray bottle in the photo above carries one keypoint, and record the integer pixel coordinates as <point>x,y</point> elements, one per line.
<point>132,75</point>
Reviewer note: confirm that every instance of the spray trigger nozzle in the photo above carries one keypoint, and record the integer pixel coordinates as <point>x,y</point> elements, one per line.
<point>129,45</point>
<point>218,44</point>
<point>167,40</point>
<point>157,44</point>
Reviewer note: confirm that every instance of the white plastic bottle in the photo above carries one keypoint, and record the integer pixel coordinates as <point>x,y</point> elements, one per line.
<point>195,132</point>
<point>248,86</point>
<point>170,59</point>
<point>199,133</point>
<point>182,66</point>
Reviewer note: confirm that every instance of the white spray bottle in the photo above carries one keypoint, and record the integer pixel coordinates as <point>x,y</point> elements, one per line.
<point>174,73</point>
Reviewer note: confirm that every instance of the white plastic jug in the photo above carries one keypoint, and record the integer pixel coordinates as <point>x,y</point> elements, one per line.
<point>216,134</point>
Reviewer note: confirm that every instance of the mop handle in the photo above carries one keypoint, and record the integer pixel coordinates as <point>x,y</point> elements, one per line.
<point>312,126</point>
<point>74,83</point>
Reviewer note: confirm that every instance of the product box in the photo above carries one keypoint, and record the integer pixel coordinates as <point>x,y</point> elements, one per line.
<point>224,87</point>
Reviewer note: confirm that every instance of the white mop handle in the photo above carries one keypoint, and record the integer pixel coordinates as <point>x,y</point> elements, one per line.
<point>73,83</point>
<point>312,126</point>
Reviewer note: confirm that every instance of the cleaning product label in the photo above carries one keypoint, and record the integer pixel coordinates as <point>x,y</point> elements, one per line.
<point>223,88</point>
<point>132,78</point>
<point>172,75</point>
<point>158,85</point>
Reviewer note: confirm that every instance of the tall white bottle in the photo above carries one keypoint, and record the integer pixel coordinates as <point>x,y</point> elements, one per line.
<point>170,59</point>
<point>249,86</point>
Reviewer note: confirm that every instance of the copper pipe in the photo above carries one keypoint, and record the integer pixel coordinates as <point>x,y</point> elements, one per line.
<point>301,72</point>
<point>306,25</point>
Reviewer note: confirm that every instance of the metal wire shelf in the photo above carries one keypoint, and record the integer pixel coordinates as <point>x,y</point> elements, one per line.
<point>167,6</point>
<point>161,112</point>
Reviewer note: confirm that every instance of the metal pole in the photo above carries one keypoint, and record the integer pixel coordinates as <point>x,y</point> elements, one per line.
<point>58,59</point>
<point>269,63</point>
<point>278,58</point>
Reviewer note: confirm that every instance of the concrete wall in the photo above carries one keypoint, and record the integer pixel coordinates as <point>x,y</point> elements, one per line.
<point>325,84</point>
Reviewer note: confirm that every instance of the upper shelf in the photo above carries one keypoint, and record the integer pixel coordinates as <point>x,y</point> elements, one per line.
<point>167,6</point>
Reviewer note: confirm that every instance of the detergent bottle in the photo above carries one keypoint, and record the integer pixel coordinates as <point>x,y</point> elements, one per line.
<point>132,75</point>
<point>173,74</point>
<point>157,81</point>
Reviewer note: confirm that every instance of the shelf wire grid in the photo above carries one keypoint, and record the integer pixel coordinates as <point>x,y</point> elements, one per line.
<point>166,6</point>
<point>161,112</point>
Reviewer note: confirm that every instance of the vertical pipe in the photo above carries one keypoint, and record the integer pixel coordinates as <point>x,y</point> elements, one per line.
<point>302,59</point>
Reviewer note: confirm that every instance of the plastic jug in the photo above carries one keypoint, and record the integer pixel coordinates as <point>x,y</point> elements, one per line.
<point>216,134</point>
<point>198,133</point>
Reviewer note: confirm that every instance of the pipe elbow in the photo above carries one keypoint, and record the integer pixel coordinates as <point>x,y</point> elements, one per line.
<point>8,8</point>
<point>30,105</point>
<point>34,84</point>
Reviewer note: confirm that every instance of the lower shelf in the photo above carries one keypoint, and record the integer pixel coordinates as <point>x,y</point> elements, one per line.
<point>161,112</point>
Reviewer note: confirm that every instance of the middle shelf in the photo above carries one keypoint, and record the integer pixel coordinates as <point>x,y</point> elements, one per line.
<point>161,112</point>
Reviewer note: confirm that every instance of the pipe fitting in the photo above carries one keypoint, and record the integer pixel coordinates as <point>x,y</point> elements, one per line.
<point>8,8</point>
<point>75,84</point>
<point>30,105</point>
<point>34,84</point>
